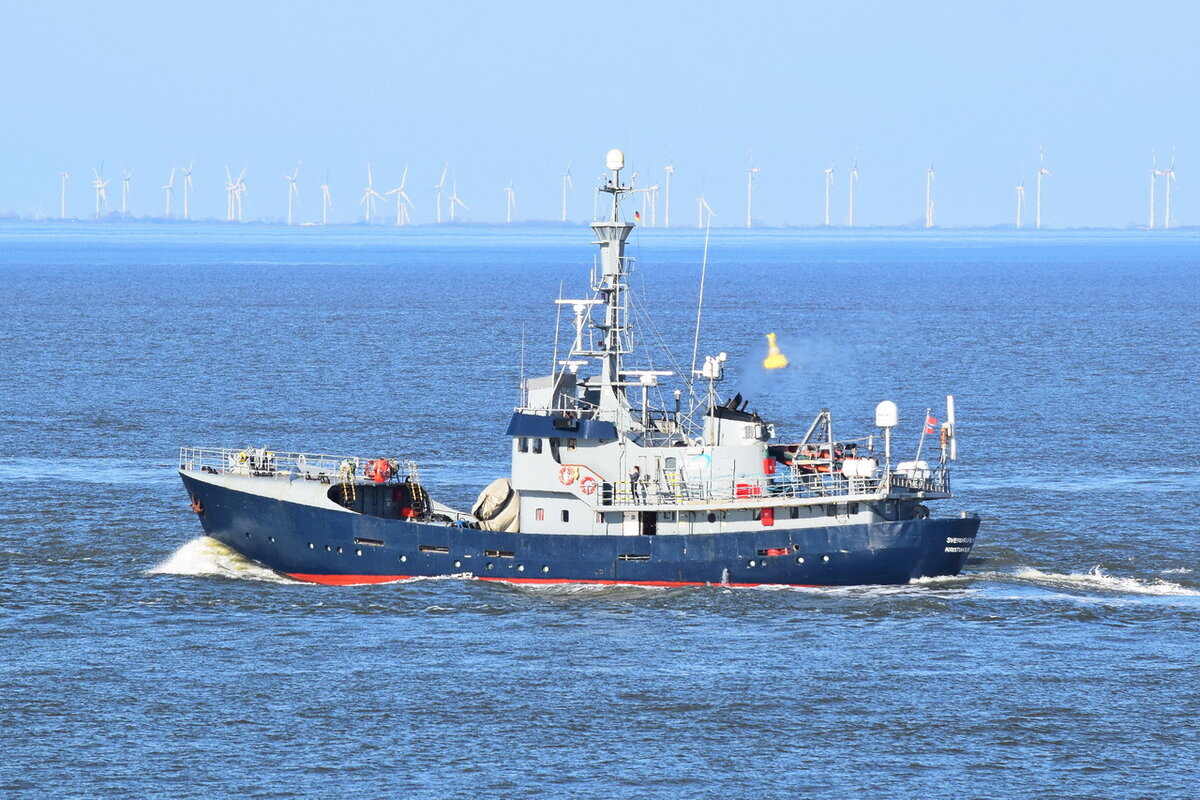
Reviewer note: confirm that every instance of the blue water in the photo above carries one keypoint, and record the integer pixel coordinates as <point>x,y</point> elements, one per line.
<point>140,660</point>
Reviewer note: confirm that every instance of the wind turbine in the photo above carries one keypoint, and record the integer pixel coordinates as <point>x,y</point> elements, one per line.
<point>510,198</point>
<point>1168,178</point>
<point>750,192</point>
<point>187,187</point>
<point>101,196</point>
<point>326,201</point>
<point>929,208</point>
<point>853,180</point>
<point>440,185</point>
<point>170,191</point>
<point>453,200</point>
<point>239,191</point>
<point>670,170</point>
<point>126,174</point>
<point>828,189</point>
<point>368,198</point>
<point>701,207</point>
<point>66,176</point>
<point>1041,171</point>
<point>293,192</point>
<point>567,183</point>
<point>649,204</point>
<point>402,201</point>
<point>230,190</point>
<point>1020,202</point>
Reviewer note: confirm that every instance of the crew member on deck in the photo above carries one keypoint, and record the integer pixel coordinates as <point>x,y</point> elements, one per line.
<point>635,487</point>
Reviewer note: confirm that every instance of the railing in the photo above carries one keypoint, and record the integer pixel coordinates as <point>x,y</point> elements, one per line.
<point>262,462</point>
<point>937,481</point>
<point>673,489</point>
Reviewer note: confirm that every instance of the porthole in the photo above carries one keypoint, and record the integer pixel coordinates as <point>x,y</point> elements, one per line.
<point>490,565</point>
<point>328,549</point>
<point>825,558</point>
<point>799,559</point>
<point>545,568</point>
<point>358,552</point>
<point>340,551</point>
<point>753,563</point>
<point>520,567</point>
<point>310,545</point>
<point>247,534</point>
<point>271,539</point>
<point>403,559</point>
<point>712,517</point>
<point>457,564</point>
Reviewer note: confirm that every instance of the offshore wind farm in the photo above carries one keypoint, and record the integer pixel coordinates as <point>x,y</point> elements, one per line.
<point>448,208</point>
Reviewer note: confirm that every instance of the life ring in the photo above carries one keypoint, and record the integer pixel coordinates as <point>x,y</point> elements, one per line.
<point>587,485</point>
<point>567,475</point>
<point>242,457</point>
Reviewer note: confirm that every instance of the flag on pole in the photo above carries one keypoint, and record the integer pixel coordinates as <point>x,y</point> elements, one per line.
<point>637,215</point>
<point>931,424</point>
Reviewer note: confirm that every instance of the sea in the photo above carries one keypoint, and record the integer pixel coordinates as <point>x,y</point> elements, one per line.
<point>139,659</point>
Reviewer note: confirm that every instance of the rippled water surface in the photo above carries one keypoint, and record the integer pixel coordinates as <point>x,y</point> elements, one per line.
<point>142,660</point>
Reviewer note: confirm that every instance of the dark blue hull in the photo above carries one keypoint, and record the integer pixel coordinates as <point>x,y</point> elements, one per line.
<point>329,546</point>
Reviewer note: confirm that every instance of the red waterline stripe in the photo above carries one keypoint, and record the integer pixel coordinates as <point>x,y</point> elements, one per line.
<point>347,580</point>
<point>352,580</point>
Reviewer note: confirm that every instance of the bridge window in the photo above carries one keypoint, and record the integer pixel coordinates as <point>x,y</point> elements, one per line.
<point>523,444</point>
<point>566,515</point>
<point>540,514</point>
<point>537,445</point>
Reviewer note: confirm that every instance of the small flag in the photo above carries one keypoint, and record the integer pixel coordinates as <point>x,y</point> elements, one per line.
<point>931,424</point>
<point>637,215</point>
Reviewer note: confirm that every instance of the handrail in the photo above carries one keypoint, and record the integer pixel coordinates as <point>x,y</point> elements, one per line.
<point>673,488</point>
<point>268,463</point>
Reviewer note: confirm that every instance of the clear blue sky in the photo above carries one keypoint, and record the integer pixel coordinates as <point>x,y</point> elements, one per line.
<point>516,90</point>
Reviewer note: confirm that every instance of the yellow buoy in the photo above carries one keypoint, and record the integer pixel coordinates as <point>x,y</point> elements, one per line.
<point>775,359</point>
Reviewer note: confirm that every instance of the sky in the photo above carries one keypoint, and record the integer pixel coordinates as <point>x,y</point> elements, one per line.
<point>518,91</point>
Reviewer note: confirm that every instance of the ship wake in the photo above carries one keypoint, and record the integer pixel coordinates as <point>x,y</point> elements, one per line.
<point>1097,581</point>
<point>206,557</point>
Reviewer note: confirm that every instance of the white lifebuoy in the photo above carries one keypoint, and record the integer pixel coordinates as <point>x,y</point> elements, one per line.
<point>587,485</point>
<point>567,475</point>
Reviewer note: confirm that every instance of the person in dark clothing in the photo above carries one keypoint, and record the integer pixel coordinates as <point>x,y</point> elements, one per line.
<point>636,490</point>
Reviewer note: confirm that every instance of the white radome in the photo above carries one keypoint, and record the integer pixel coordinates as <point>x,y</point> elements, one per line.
<point>887,415</point>
<point>615,159</point>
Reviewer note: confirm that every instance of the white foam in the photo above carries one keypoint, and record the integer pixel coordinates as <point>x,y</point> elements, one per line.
<point>1097,580</point>
<point>952,585</point>
<point>207,557</point>
<point>577,589</point>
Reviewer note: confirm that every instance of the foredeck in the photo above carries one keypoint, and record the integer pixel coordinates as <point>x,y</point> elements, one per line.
<point>261,462</point>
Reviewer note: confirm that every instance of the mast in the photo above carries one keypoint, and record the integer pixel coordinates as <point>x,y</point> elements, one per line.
<point>613,288</point>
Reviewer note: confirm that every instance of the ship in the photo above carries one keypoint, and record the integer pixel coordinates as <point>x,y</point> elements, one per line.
<point>615,478</point>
